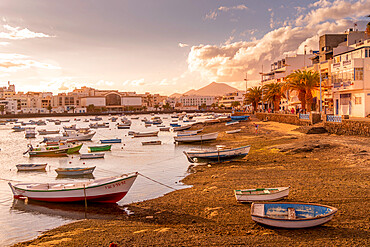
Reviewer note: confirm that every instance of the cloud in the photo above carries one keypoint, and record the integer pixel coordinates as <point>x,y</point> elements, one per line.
<point>230,61</point>
<point>182,45</point>
<point>212,15</point>
<point>16,33</point>
<point>135,83</point>
<point>12,62</point>
<point>104,83</point>
<point>4,43</point>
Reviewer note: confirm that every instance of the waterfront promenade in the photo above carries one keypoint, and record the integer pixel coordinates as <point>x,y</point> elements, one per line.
<point>326,169</point>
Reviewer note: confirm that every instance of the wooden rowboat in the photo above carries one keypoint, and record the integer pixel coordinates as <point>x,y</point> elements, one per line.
<point>75,171</point>
<point>231,123</point>
<point>98,148</point>
<point>233,131</point>
<point>31,167</point>
<point>152,143</point>
<point>92,156</point>
<point>164,128</point>
<point>104,190</point>
<point>196,138</point>
<point>291,214</point>
<point>146,134</point>
<point>218,155</point>
<point>261,194</point>
<point>116,140</point>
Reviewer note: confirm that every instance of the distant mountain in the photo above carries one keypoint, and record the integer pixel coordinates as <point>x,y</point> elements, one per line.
<point>213,89</point>
<point>175,95</point>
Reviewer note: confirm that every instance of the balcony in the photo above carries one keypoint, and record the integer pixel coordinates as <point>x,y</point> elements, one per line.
<point>348,85</point>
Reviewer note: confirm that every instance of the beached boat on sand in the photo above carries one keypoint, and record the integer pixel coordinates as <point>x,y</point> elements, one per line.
<point>233,131</point>
<point>181,128</point>
<point>31,167</point>
<point>261,194</point>
<point>291,214</point>
<point>75,171</point>
<point>218,155</point>
<point>196,138</point>
<point>92,156</point>
<point>104,190</point>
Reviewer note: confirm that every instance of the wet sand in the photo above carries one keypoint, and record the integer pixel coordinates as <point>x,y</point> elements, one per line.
<point>326,169</point>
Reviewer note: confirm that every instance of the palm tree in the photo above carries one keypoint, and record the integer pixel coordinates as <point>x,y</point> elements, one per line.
<point>303,82</point>
<point>254,96</point>
<point>274,93</point>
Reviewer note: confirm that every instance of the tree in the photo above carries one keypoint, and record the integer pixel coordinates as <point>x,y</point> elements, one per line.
<point>274,92</point>
<point>49,108</point>
<point>144,108</point>
<point>254,96</point>
<point>72,108</point>
<point>235,104</point>
<point>156,106</point>
<point>167,106</point>
<point>303,82</point>
<point>2,109</point>
<point>203,106</point>
<point>90,108</point>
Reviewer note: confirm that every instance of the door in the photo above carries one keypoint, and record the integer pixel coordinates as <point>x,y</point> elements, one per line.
<point>337,107</point>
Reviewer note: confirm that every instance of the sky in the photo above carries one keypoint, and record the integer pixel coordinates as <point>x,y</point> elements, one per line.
<point>160,46</point>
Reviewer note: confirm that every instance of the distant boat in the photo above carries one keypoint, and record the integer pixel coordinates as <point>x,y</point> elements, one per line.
<point>146,134</point>
<point>99,125</point>
<point>30,133</point>
<point>54,151</point>
<point>71,127</point>
<point>291,214</point>
<point>96,118</point>
<point>131,132</point>
<point>151,143</point>
<point>98,148</point>
<point>233,131</point>
<point>92,156</point>
<point>17,128</point>
<point>231,123</point>
<point>175,125</point>
<point>116,140</point>
<point>31,167</point>
<point>219,155</point>
<point>164,128</point>
<point>47,132</point>
<point>261,194</point>
<point>104,190</point>
<point>72,135</point>
<point>189,132</point>
<point>196,138</point>
<point>75,171</point>
<point>180,128</point>
<point>135,117</point>
<point>123,126</point>
<point>239,118</point>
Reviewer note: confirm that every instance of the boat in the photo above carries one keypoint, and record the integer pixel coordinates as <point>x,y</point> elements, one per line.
<point>99,125</point>
<point>30,133</point>
<point>231,123</point>
<point>17,128</point>
<point>135,117</point>
<point>218,155</point>
<point>31,167</point>
<point>291,214</point>
<point>104,190</point>
<point>98,148</point>
<point>181,128</point>
<point>92,156</point>
<point>71,127</point>
<point>175,125</point>
<point>148,125</point>
<point>131,132</point>
<point>96,118</point>
<point>80,135</point>
<point>239,118</point>
<point>57,122</point>
<point>116,140</point>
<point>75,171</point>
<point>164,128</point>
<point>59,150</point>
<point>189,132</point>
<point>233,131</point>
<point>47,132</point>
<point>145,134</point>
<point>197,138</point>
<point>123,126</point>
<point>152,143</point>
<point>261,194</point>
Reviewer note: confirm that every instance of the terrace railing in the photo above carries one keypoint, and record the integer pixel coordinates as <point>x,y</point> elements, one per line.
<point>334,119</point>
<point>304,116</point>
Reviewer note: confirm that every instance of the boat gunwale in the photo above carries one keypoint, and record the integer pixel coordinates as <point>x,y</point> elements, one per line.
<point>216,151</point>
<point>261,189</point>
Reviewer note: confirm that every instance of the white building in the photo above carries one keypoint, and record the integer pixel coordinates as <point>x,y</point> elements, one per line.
<point>93,100</point>
<point>351,80</point>
<point>228,99</point>
<point>10,105</point>
<point>196,100</point>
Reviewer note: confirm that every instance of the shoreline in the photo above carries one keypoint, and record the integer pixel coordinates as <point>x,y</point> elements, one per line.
<point>325,169</point>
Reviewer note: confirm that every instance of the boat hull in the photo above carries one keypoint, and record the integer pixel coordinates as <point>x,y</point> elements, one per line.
<point>100,148</point>
<point>110,192</point>
<point>196,138</point>
<point>111,141</point>
<point>31,167</point>
<point>75,172</point>
<point>275,196</point>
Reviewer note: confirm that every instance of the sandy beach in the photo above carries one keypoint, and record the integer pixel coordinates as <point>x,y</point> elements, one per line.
<point>323,168</point>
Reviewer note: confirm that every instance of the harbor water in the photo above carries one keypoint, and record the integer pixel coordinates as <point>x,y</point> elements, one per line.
<point>22,220</point>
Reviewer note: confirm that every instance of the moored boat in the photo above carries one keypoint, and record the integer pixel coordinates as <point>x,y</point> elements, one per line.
<point>75,171</point>
<point>59,150</point>
<point>164,128</point>
<point>104,190</point>
<point>239,118</point>
<point>218,155</point>
<point>196,138</point>
<point>30,133</point>
<point>181,128</point>
<point>47,132</point>
<point>231,123</point>
<point>17,128</point>
<point>31,167</point>
<point>145,134</point>
<point>81,135</point>
<point>116,140</point>
<point>291,214</point>
<point>98,148</point>
<point>233,131</point>
<point>152,143</point>
<point>92,156</point>
<point>261,194</point>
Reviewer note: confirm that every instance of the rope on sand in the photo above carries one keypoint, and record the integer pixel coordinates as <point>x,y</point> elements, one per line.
<point>157,181</point>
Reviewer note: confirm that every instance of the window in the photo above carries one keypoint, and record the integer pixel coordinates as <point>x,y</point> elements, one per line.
<point>357,100</point>
<point>359,74</point>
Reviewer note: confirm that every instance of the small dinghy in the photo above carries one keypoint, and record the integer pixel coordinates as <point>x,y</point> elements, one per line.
<point>164,128</point>
<point>97,148</point>
<point>92,156</point>
<point>75,171</point>
<point>31,167</point>
<point>291,214</point>
<point>196,138</point>
<point>261,194</point>
<point>233,131</point>
<point>220,154</point>
<point>152,143</point>
<point>146,134</point>
<point>231,123</point>
<point>116,140</point>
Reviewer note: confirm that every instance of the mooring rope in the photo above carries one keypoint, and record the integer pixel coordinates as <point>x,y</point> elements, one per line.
<point>156,181</point>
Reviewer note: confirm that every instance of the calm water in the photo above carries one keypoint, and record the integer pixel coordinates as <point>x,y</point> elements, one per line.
<point>20,221</point>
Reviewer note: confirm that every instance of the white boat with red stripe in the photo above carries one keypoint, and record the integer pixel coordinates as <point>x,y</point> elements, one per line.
<point>103,190</point>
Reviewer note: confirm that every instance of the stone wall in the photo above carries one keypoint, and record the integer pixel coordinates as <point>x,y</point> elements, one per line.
<point>283,118</point>
<point>349,127</point>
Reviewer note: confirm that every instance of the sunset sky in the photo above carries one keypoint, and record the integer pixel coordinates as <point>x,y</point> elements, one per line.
<point>158,46</point>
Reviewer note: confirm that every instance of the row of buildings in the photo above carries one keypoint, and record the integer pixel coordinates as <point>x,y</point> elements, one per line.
<point>343,62</point>
<point>87,99</point>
